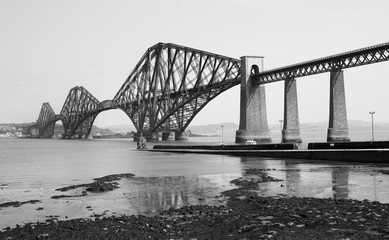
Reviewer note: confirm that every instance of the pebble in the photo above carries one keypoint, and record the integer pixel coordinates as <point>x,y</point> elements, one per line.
<point>362,219</point>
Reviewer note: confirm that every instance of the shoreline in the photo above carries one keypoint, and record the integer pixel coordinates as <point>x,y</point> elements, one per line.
<point>244,215</point>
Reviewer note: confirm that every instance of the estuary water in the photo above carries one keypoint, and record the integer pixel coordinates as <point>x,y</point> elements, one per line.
<point>31,169</point>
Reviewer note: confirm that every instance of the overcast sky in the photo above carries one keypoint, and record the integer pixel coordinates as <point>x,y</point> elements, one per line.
<point>48,47</point>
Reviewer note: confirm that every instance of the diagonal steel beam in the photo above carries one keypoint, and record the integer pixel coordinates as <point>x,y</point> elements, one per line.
<point>356,58</point>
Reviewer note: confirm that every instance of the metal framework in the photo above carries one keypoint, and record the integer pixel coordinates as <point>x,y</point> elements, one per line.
<point>46,121</point>
<point>356,58</point>
<point>79,112</point>
<point>171,84</point>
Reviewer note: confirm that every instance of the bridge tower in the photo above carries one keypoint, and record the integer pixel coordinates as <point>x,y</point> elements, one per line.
<point>45,124</point>
<point>253,115</point>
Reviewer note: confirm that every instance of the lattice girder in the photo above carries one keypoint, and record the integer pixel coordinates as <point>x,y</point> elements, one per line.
<point>45,121</point>
<point>356,58</point>
<point>79,112</point>
<point>167,80</point>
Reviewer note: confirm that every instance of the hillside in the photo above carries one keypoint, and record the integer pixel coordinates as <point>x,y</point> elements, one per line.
<point>21,129</point>
<point>354,126</point>
<point>208,129</point>
<point>213,129</point>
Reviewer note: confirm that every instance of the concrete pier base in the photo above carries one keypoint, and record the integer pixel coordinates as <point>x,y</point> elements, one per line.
<point>337,126</point>
<point>181,136</point>
<point>253,116</point>
<point>337,135</point>
<point>168,136</point>
<point>291,136</point>
<point>291,128</point>
<point>259,136</point>
<point>149,136</point>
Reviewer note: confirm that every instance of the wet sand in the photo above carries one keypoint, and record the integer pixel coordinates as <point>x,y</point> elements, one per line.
<point>245,215</point>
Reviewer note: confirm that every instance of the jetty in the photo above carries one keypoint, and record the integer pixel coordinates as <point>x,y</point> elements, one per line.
<point>369,152</point>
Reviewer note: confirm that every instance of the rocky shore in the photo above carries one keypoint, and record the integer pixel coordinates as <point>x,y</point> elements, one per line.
<point>245,216</point>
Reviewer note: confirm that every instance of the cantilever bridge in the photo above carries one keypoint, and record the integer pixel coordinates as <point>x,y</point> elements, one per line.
<point>171,84</point>
<point>167,88</point>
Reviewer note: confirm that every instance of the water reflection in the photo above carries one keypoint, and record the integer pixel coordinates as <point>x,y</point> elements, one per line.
<point>340,178</point>
<point>292,177</point>
<point>321,179</point>
<point>153,194</point>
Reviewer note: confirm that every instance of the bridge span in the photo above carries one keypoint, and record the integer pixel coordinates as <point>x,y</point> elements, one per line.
<point>167,88</point>
<point>171,84</point>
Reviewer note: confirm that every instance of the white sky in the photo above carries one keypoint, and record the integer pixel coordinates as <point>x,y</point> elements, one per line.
<point>48,47</point>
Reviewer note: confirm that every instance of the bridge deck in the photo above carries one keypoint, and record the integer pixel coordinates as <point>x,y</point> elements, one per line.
<point>359,57</point>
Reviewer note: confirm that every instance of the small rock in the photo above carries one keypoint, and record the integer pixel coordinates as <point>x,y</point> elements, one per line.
<point>42,236</point>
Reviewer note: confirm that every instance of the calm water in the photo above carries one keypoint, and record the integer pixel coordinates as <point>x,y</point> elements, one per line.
<point>32,169</point>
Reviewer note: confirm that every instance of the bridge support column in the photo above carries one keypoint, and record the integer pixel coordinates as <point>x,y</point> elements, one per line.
<point>181,136</point>
<point>291,129</point>
<point>337,127</point>
<point>150,136</point>
<point>253,115</point>
<point>168,136</point>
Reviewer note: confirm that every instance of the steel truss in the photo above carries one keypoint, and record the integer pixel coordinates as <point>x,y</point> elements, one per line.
<point>79,112</point>
<point>364,56</point>
<point>171,84</point>
<point>46,121</point>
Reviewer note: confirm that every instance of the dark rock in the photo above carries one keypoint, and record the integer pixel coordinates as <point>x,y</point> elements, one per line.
<point>101,186</point>
<point>114,177</point>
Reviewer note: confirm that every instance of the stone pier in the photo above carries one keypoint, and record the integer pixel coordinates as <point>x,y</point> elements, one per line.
<point>150,136</point>
<point>181,136</point>
<point>337,127</point>
<point>253,115</point>
<point>168,136</point>
<point>291,129</point>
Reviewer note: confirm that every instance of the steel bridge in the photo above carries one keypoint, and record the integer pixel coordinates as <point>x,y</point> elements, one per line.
<point>171,84</point>
<point>167,88</point>
<point>356,58</point>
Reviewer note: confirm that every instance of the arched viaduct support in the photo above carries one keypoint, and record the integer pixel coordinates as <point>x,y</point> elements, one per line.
<point>253,115</point>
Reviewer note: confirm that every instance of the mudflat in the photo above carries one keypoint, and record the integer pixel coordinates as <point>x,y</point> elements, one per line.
<point>245,215</point>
